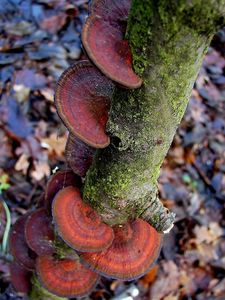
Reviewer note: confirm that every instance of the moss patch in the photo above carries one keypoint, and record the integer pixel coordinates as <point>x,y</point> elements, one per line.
<point>40,293</point>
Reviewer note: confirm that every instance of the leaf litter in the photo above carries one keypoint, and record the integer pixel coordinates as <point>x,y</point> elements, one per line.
<point>39,39</point>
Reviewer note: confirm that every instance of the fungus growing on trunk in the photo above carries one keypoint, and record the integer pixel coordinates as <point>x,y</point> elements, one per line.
<point>79,156</point>
<point>82,98</point>
<point>65,277</point>
<point>78,224</point>
<point>110,52</point>
<point>133,252</point>
<point>58,181</point>
<point>20,278</point>
<point>18,245</point>
<point>39,233</point>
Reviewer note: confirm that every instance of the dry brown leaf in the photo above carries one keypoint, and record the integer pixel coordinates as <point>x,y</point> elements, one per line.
<point>207,234</point>
<point>22,92</point>
<point>167,283</point>
<point>219,289</point>
<point>22,163</point>
<point>178,154</point>
<point>54,144</point>
<point>48,94</point>
<point>171,297</point>
<point>41,169</point>
<point>150,276</point>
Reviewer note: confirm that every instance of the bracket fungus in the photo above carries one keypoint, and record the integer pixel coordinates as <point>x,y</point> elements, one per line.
<point>18,245</point>
<point>20,278</point>
<point>39,233</point>
<point>78,224</point>
<point>109,51</point>
<point>65,277</point>
<point>79,156</point>
<point>58,181</point>
<point>82,98</point>
<point>133,252</point>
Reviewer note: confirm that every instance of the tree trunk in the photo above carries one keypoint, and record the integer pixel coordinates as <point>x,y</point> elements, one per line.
<point>168,41</point>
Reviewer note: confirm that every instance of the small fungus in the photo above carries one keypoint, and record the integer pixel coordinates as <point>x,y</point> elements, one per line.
<point>82,98</point>
<point>79,156</point>
<point>133,252</point>
<point>58,181</point>
<point>39,233</point>
<point>20,278</point>
<point>78,224</point>
<point>65,277</point>
<point>18,245</point>
<point>109,51</point>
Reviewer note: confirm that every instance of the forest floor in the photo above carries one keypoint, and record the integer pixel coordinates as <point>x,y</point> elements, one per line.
<point>38,40</point>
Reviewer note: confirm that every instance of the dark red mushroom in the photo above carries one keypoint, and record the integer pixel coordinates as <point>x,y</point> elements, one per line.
<point>39,232</point>
<point>20,278</point>
<point>79,156</point>
<point>112,10</point>
<point>82,99</point>
<point>58,181</point>
<point>109,51</point>
<point>133,252</point>
<point>18,245</point>
<point>78,224</point>
<point>65,277</point>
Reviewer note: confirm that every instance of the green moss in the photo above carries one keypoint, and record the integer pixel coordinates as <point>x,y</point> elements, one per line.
<point>40,293</point>
<point>62,250</point>
<point>203,17</point>
<point>140,34</point>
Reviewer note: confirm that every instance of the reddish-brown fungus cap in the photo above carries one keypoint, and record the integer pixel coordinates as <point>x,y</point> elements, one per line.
<point>78,224</point>
<point>58,181</point>
<point>113,11</point>
<point>110,51</point>
<point>133,252</point>
<point>65,277</point>
<point>20,278</point>
<point>18,245</point>
<point>82,99</point>
<point>39,233</point>
<point>79,155</point>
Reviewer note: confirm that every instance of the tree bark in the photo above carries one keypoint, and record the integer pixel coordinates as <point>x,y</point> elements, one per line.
<point>168,41</point>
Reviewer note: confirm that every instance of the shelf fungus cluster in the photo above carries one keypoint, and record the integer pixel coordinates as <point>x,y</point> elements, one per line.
<point>64,241</point>
<point>37,249</point>
<point>69,247</point>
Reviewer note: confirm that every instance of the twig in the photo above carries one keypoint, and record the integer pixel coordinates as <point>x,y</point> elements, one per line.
<point>7,228</point>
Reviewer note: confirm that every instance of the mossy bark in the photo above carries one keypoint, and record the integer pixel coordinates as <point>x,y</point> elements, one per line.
<point>168,41</point>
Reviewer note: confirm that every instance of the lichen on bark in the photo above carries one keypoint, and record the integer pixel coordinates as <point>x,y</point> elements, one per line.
<point>168,44</point>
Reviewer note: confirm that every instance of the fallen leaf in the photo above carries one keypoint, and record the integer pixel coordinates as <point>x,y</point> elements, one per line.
<point>207,234</point>
<point>29,78</point>
<point>219,289</point>
<point>167,282</point>
<point>150,276</point>
<point>13,118</point>
<point>55,144</point>
<point>53,23</point>
<point>48,94</point>
<point>41,170</point>
<point>21,92</point>
<point>22,163</point>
